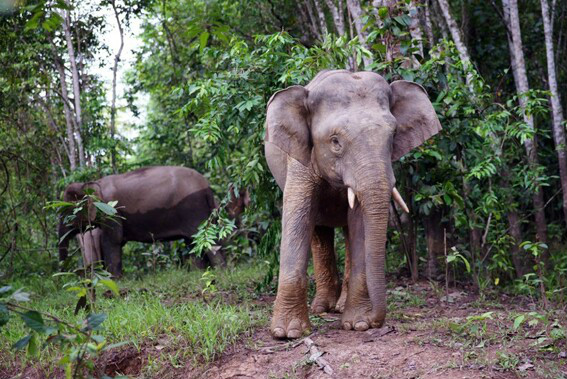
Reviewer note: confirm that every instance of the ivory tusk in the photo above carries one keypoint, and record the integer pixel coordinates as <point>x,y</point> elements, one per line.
<point>351,197</point>
<point>398,199</point>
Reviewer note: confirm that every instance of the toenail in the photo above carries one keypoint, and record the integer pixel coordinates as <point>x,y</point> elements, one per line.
<point>294,333</point>
<point>278,333</point>
<point>361,325</point>
<point>347,326</point>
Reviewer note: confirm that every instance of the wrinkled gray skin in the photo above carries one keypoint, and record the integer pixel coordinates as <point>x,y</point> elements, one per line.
<point>341,130</point>
<point>158,203</point>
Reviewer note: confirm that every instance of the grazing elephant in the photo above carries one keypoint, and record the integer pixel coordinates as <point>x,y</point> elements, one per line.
<point>330,146</point>
<point>158,203</point>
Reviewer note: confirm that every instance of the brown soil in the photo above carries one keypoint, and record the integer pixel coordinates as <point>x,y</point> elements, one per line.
<point>411,345</point>
<point>417,342</point>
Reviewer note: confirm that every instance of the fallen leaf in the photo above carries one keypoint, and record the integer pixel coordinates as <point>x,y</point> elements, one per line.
<point>526,366</point>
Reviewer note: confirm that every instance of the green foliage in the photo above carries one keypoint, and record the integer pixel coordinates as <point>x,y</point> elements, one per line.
<point>79,343</point>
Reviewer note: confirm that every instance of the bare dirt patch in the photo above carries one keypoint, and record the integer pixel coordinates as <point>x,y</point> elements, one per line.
<point>417,342</point>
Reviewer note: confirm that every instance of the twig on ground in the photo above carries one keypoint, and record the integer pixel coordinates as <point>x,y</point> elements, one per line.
<point>315,356</point>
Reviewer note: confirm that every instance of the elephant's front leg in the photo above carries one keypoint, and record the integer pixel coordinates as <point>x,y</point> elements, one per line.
<point>290,318</point>
<point>325,265</point>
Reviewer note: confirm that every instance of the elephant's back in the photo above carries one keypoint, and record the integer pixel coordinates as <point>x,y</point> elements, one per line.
<point>154,187</point>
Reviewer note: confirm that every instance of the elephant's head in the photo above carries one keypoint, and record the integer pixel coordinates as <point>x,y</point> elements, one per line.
<point>349,128</point>
<point>67,229</point>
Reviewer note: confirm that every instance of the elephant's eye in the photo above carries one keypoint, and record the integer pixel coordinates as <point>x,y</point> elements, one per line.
<point>336,145</point>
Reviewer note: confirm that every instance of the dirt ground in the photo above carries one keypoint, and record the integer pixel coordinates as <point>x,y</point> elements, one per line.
<point>414,344</point>
<point>424,337</point>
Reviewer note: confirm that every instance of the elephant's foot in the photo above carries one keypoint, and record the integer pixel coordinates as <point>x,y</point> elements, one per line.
<point>290,318</point>
<point>358,313</point>
<point>325,300</point>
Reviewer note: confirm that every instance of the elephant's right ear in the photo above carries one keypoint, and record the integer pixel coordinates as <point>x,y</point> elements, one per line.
<point>287,123</point>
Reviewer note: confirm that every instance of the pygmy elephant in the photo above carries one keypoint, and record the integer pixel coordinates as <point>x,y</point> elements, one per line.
<point>158,203</point>
<point>330,146</point>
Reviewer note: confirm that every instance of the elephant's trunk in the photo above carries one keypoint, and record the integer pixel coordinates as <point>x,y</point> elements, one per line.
<point>65,233</point>
<point>374,191</point>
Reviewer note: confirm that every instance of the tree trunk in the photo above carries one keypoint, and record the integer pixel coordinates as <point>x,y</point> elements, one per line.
<point>556,109</point>
<point>519,66</point>
<point>415,29</point>
<point>114,72</point>
<point>428,25</point>
<point>72,151</point>
<point>338,16</point>
<point>321,15</point>
<point>435,241</point>
<point>315,27</point>
<point>356,13</point>
<point>76,85</point>
<point>308,28</point>
<point>457,37</point>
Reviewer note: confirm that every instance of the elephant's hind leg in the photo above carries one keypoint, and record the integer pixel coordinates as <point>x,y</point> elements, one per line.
<point>325,264</point>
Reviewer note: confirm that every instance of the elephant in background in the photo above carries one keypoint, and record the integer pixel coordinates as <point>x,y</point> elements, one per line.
<point>330,147</point>
<point>159,203</point>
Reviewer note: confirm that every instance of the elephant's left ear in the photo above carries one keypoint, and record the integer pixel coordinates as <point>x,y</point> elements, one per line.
<point>415,116</point>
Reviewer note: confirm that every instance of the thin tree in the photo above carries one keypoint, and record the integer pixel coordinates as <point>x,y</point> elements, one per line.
<point>322,19</point>
<point>356,12</point>
<point>76,84</point>
<point>338,16</point>
<point>315,25</point>
<point>114,72</point>
<point>556,109</point>
<point>457,37</point>
<point>522,87</point>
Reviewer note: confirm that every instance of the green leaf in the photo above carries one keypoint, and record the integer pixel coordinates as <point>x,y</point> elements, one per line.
<point>20,295</point>
<point>115,345</point>
<point>34,321</point>
<point>33,349</point>
<point>33,23</point>
<point>105,208</point>
<point>94,320</point>
<point>518,321</point>
<point>23,342</point>
<point>203,38</point>
<point>5,289</point>
<point>4,315</point>
<point>111,285</point>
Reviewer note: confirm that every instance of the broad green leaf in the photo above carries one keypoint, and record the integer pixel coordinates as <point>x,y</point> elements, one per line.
<point>105,208</point>
<point>22,342</point>
<point>5,289</point>
<point>94,320</point>
<point>111,284</point>
<point>34,321</point>
<point>20,295</point>
<point>518,321</point>
<point>203,38</point>
<point>33,349</point>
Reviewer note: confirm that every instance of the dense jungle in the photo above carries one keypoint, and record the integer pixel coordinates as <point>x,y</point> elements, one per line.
<point>159,157</point>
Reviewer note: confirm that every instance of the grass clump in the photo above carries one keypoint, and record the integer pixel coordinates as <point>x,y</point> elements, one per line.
<point>168,307</point>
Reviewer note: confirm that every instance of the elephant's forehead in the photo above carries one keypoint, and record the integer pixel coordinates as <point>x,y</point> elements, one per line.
<point>344,89</point>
